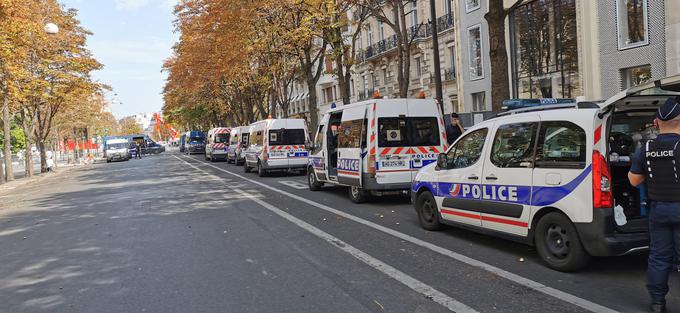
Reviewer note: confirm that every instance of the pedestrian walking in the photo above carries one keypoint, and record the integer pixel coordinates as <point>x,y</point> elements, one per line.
<point>138,150</point>
<point>656,163</point>
<point>455,129</point>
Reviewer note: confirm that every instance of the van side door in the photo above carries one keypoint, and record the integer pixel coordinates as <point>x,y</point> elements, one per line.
<point>317,155</point>
<point>507,182</point>
<point>459,181</point>
<point>351,140</point>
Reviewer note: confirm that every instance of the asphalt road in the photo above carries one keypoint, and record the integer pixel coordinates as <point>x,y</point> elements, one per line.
<point>172,233</point>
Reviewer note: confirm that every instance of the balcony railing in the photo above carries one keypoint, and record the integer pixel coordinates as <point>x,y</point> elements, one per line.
<point>450,74</point>
<point>362,95</point>
<point>444,22</point>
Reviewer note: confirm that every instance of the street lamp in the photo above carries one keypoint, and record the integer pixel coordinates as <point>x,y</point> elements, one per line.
<point>51,28</point>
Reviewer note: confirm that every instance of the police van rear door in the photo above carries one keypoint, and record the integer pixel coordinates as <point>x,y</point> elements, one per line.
<point>351,140</point>
<point>507,179</point>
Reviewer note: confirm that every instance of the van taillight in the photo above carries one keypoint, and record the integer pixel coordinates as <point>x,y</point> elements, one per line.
<point>371,165</point>
<point>602,182</point>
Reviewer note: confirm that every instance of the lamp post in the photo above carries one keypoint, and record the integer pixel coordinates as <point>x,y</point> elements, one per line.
<point>437,66</point>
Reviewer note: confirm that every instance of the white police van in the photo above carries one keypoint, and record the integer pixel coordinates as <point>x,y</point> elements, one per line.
<point>217,144</point>
<point>276,144</point>
<point>376,146</point>
<point>552,176</point>
<point>237,144</point>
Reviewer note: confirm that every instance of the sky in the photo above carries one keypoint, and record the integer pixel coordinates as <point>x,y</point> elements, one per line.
<point>131,38</point>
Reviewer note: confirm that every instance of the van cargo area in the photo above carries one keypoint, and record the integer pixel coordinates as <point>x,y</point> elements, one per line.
<point>630,129</point>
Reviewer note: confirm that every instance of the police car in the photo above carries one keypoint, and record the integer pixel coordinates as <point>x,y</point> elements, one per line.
<point>553,176</point>
<point>276,145</point>
<point>376,146</point>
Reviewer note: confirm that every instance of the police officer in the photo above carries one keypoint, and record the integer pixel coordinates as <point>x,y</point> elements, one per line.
<point>657,163</point>
<point>454,130</point>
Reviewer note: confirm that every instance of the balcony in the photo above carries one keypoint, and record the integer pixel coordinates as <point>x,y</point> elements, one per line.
<point>450,74</point>
<point>445,22</point>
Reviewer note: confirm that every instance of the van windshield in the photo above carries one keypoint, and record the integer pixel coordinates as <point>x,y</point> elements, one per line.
<point>408,131</point>
<point>287,137</point>
<point>222,138</point>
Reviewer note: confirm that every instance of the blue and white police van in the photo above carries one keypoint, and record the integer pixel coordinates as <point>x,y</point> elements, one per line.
<point>276,145</point>
<point>553,176</point>
<point>375,147</point>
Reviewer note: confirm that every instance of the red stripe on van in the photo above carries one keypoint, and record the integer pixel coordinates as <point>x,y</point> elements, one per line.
<point>598,134</point>
<point>486,218</point>
<point>423,150</point>
<point>398,150</point>
<point>385,151</point>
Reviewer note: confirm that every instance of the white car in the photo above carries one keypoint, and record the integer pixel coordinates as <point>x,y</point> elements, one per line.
<point>277,144</point>
<point>376,146</point>
<point>552,176</point>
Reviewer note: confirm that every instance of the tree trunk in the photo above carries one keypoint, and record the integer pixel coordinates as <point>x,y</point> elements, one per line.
<point>500,87</point>
<point>6,128</point>
<point>43,155</point>
<point>313,105</point>
<point>28,156</point>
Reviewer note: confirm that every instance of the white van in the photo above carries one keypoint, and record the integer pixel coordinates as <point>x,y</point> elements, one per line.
<point>552,176</point>
<point>117,149</point>
<point>376,146</point>
<point>237,144</point>
<point>217,144</point>
<point>277,144</point>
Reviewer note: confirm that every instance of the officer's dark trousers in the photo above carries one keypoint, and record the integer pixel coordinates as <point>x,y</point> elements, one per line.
<point>664,232</point>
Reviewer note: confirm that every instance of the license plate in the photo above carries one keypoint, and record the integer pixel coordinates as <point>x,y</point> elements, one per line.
<point>393,163</point>
<point>277,154</point>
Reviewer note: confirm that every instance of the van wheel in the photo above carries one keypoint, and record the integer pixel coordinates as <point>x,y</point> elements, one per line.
<point>357,194</point>
<point>428,215</point>
<point>260,170</point>
<point>246,169</point>
<point>558,243</point>
<point>312,181</point>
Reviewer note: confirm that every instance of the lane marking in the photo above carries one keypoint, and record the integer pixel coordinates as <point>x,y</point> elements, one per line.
<point>294,184</point>
<point>526,282</point>
<point>428,291</point>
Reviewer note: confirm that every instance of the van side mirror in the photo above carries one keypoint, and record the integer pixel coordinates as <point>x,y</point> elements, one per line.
<point>442,161</point>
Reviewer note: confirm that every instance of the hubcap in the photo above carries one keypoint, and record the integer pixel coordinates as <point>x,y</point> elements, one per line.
<point>428,211</point>
<point>355,192</point>
<point>558,241</point>
<point>312,179</point>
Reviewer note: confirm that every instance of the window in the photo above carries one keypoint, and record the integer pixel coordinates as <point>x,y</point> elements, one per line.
<point>381,31</point>
<point>475,47</point>
<point>384,73</point>
<point>467,150</point>
<point>561,145</point>
<point>222,138</point>
<point>414,14</point>
<point>544,50</point>
<point>318,141</point>
<point>352,134</point>
<point>369,36</point>
<point>631,18</point>
<point>452,58</point>
<point>447,7</point>
<point>471,5</point>
<point>479,101</point>
<point>631,77</point>
<point>419,70</point>
<point>513,145</point>
<point>257,138</point>
<point>423,131</point>
<point>408,131</point>
<point>360,42</point>
<point>286,137</point>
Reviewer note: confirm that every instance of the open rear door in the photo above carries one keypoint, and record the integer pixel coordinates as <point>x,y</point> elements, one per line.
<point>351,133</point>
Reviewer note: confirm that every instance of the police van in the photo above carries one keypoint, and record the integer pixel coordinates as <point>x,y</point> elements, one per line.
<point>217,144</point>
<point>237,144</point>
<point>376,146</point>
<point>275,145</point>
<point>553,176</point>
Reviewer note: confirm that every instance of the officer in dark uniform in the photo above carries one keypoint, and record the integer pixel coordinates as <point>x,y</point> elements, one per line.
<point>454,130</point>
<point>657,163</point>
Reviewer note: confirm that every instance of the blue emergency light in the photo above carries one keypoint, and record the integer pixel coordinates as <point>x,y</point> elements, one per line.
<point>513,104</point>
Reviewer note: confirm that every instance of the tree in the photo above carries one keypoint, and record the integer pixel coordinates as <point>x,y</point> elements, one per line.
<point>128,126</point>
<point>498,56</point>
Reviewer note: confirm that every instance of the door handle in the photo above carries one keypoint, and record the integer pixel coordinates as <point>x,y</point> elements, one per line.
<point>473,177</point>
<point>492,178</point>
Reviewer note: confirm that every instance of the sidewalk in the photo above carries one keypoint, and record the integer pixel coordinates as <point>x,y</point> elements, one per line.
<point>19,179</point>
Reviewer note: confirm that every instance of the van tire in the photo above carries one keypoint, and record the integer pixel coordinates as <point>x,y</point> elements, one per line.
<point>558,243</point>
<point>428,215</point>
<point>357,194</point>
<point>312,181</point>
<point>246,169</point>
<point>260,170</point>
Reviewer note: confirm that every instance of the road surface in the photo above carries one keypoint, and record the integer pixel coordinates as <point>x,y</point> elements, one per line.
<point>173,233</point>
